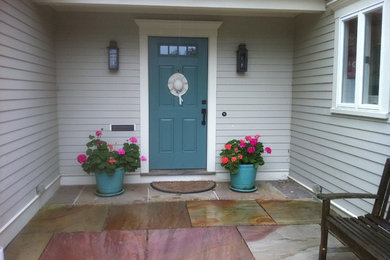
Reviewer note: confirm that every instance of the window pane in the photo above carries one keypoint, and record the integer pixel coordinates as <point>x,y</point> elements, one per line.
<point>182,50</point>
<point>163,50</point>
<point>372,53</point>
<point>173,50</point>
<point>191,50</point>
<point>349,61</point>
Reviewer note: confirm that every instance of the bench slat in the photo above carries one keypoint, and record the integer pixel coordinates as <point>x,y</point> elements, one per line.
<point>368,236</point>
<point>359,239</point>
<point>371,239</point>
<point>376,238</point>
<point>374,224</point>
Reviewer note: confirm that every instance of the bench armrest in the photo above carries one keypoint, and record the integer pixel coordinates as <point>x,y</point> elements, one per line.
<point>333,196</point>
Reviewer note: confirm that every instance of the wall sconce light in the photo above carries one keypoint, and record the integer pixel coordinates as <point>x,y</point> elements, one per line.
<point>242,58</point>
<point>113,56</point>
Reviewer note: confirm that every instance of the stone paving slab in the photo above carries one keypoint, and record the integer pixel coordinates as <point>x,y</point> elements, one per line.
<point>67,219</point>
<point>27,246</point>
<point>227,213</point>
<point>65,195</point>
<point>148,216</point>
<point>291,242</point>
<point>197,243</point>
<point>266,191</point>
<point>291,190</point>
<point>134,193</point>
<point>287,212</point>
<point>118,245</point>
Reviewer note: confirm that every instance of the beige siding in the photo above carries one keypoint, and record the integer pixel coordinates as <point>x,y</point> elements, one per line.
<point>340,153</point>
<point>28,112</point>
<point>258,101</point>
<point>90,97</point>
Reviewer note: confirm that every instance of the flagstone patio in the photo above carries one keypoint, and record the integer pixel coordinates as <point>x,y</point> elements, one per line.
<point>279,221</point>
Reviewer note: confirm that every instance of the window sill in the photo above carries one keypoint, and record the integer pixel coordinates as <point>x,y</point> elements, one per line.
<point>371,114</point>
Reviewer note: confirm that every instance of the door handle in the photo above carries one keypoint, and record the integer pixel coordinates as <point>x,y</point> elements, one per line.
<point>204,112</point>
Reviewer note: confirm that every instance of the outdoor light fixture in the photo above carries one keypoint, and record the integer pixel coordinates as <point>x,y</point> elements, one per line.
<point>242,58</point>
<point>113,56</point>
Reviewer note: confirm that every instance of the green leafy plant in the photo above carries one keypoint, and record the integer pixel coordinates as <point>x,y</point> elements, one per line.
<point>100,156</point>
<point>248,151</point>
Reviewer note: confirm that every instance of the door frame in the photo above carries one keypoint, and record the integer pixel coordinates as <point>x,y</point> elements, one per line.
<point>175,28</point>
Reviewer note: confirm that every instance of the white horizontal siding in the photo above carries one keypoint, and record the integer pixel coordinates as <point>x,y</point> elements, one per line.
<point>341,153</point>
<point>90,97</point>
<point>28,107</point>
<point>258,101</point>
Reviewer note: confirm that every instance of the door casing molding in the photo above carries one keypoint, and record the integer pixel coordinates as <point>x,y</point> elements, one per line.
<point>175,28</point>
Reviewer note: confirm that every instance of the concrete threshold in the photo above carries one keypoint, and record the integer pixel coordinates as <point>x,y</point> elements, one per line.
<point>175,172</point>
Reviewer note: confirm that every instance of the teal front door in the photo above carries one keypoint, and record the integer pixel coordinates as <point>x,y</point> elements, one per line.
<point>177,136</point>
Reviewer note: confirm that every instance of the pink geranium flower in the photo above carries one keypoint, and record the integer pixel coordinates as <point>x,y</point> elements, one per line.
<point>143,158</point>
<point>98,133</point>
<point>253,142</point>
<point>121,151</point>
<point>242,144</point>
<point>234,159</point>
<point>81,158</point>
<point>251,150</point>
<point>228,146</point>
<point>225,160</point>
<point>111,147</point>
<point>268,150</point>
<point>248,138</point>
<point>133,140</point>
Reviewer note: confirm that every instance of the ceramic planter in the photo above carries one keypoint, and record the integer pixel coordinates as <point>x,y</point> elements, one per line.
<point>109,185</point>
<point>244,180</point>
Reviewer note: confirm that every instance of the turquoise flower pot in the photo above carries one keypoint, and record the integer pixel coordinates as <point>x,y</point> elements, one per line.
<point>244,180</point>
<point>109,185</point>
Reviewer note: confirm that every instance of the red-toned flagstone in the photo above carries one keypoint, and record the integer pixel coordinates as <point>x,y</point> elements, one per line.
<point>197,243</point>
<point>118,245</point>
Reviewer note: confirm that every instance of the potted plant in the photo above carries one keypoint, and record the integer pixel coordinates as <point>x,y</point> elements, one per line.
<point>108,164</point>
<point>242,158</point>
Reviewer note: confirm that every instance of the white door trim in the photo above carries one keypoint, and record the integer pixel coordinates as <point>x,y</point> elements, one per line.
<point>169,28</point>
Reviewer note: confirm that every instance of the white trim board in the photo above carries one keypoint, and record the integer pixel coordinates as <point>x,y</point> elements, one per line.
<point>15,225</point>
<point>170,28</point>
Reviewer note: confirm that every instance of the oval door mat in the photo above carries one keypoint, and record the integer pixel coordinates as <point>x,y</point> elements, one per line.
<point>183,186</point>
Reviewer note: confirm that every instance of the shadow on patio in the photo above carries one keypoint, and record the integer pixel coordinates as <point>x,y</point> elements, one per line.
<point>279,221</point>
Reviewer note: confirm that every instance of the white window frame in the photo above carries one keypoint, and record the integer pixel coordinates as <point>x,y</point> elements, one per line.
<point>359,9</point>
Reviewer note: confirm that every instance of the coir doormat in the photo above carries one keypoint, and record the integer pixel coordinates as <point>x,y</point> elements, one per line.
<point>183,186</point>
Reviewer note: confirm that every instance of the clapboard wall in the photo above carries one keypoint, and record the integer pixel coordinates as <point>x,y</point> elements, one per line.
<point>258,101</point>
<point>91,97</point>
<point>340,153</point>
<point>28,113</point>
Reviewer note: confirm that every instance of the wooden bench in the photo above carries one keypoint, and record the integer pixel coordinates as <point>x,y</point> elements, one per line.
<point>368,236</point>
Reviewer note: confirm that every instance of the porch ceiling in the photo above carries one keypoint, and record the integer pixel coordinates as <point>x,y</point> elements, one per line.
<point>285,8</point>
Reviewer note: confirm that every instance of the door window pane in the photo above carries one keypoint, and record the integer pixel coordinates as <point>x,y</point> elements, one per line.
<point>173,50</point>
<point>191,50</point>
<point>182,50</point>
<point>349,61</point>
<point>163,49</point>
<point>372,51</point>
